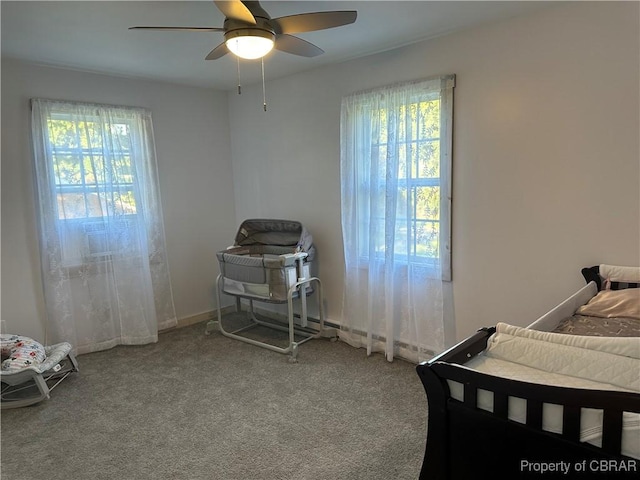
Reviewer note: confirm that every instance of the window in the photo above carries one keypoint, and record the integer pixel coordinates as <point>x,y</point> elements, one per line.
<point>95,160</point>
<point>93,178</point>
<point>396,146</point>
<point>395,173</point>
<point>104,267</point>
<point>418,171</point>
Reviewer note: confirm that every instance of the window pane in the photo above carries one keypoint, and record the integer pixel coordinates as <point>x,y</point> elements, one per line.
<point>429,159</point>
<point>427,235</point>
<point>91,175</point>
<point>382,134</point>
<point>401,241</point>
<point>413,151</point>
<point>382,162</point>
<point>429,118</point>
<point>417,225</point>
<point>90,135</point>
<point>67,171</point>
<point>71,205</point>
<point>121,134</point>
<point>122,171</point>
<point>428,203</point>
<point>96,205</point>
<point>62,133</point>
<point>402,161</point>
<point>123,203</point>
<point>91,185</point>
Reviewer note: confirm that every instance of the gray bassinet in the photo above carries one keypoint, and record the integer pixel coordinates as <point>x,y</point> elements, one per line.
<point>271,261</point>
<point>264,261</point>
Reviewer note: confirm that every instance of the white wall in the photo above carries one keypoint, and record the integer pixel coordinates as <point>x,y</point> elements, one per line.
<point>546,161</point>
<point>194,168</point>
<point>546,157</point>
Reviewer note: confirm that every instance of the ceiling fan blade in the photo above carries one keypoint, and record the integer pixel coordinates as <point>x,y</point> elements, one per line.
<point>236,10</point>
<point>309,22</point>
<point>297,46</point>
<point>220,51</point>
<point>181,29</point>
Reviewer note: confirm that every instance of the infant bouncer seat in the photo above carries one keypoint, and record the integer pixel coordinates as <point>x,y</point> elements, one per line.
<point>30,370</point>
<point>271,262</point>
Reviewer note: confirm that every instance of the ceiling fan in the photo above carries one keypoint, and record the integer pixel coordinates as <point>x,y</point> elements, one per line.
<point>249,31</point>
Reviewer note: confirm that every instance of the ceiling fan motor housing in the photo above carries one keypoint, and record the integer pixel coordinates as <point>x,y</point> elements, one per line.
<point>235,28</point>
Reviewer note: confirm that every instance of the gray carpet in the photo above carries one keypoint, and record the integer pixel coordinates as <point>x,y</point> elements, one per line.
<point>208,407</point>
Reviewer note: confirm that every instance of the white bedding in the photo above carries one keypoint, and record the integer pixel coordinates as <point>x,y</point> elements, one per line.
<point>563,360</point>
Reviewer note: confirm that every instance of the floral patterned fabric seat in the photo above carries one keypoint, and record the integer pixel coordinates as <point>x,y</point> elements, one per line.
<point>19,352</point>
<point>30,370</point>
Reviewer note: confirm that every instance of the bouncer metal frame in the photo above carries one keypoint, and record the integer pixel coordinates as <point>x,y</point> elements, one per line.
<point>43,379</point>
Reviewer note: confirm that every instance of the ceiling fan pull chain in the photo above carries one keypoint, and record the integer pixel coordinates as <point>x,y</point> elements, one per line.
<point>239,86</point>
<point>264,92</point>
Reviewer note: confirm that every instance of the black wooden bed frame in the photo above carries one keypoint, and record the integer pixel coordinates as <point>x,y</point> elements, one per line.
<point>465,442</point>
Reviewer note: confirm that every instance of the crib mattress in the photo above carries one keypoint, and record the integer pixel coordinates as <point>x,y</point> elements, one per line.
<point>591,419</point>
<point>566,361</point>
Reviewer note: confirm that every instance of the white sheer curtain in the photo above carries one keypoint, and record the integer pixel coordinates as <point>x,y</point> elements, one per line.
<point>395,180</point>
<point>104,266</point>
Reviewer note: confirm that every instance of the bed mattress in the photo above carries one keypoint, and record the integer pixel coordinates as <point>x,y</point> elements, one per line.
<point>609,313</point>
<point>599,327</point>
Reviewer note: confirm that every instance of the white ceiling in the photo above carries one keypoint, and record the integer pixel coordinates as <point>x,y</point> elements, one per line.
<point>94,35</point>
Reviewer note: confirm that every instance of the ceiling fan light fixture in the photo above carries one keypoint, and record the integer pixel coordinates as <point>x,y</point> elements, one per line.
<point>250,44</point>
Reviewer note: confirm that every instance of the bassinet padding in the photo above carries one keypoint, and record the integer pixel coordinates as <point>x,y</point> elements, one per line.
<point>267,259</point>
<point>282,233</point>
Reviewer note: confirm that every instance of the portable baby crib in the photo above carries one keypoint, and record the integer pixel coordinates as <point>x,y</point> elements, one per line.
<point>271,262</point>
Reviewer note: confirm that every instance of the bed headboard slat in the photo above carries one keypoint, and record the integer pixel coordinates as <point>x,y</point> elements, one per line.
<point>592,274</point>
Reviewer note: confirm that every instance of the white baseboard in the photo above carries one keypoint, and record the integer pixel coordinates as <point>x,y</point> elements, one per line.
<point>202,317</point>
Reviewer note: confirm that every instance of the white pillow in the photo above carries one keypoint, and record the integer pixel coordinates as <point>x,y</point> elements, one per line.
<point>615,273</point>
